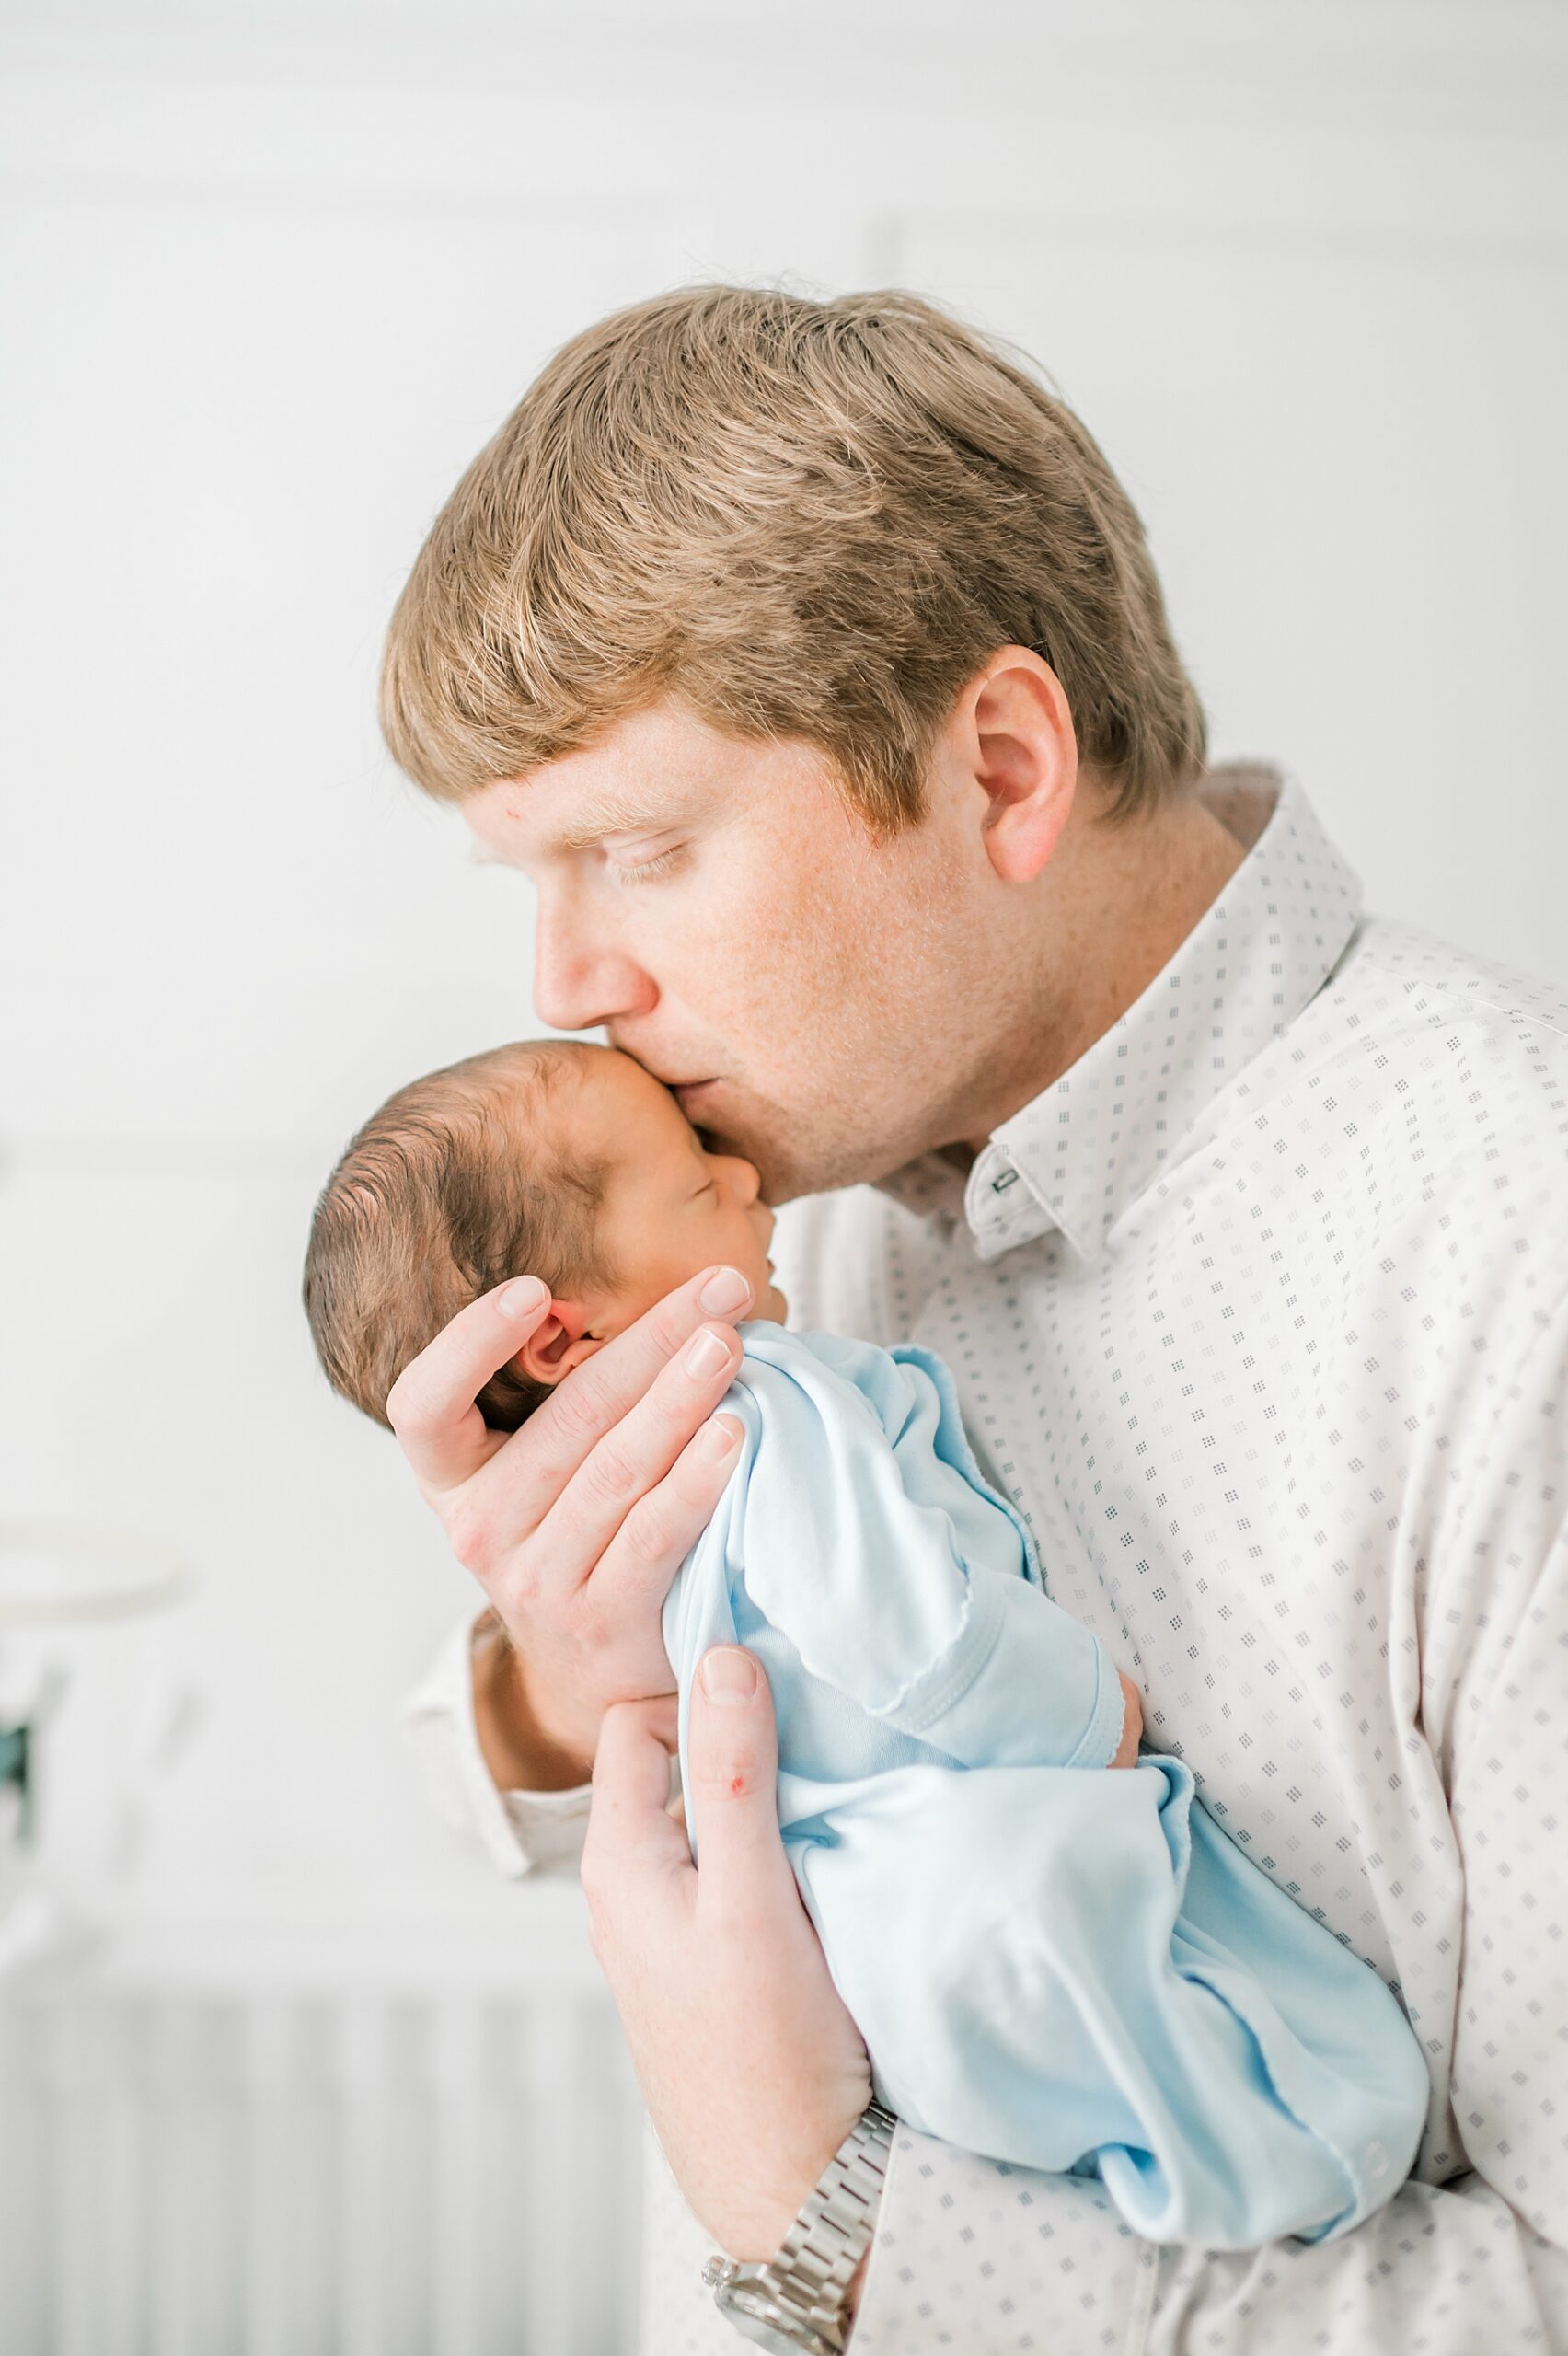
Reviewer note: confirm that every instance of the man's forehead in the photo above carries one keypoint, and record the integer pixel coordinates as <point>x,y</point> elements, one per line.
<point>645,773</point>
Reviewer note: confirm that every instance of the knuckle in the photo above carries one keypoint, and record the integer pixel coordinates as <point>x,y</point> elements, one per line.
<point>609,1476</point>
<point>683,1403</point>
<point>407,1410</point>
<point>699,1482</point>
<point>646,1538</point>
<point>469,1535</point>
<point>671,1319</point>
<point>517,1594</point>
<point>595,1630</point>
<point>580,1406</point>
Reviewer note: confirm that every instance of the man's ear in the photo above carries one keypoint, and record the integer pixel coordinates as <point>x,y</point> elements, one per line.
<point>1018,741</point>
<point>558,1344</point>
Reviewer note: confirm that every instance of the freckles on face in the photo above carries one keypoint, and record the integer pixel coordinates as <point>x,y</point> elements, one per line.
<point>780,951</point>
<point>757,938</point>
<point>830,996</point>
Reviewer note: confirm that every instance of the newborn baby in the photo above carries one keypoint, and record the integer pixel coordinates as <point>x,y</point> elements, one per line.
<point>1051,1965</point>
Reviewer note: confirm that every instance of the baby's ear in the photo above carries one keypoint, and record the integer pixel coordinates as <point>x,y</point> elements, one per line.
<point>556,1344</point>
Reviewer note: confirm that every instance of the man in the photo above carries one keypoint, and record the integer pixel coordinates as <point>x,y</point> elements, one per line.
<point>809,661</point>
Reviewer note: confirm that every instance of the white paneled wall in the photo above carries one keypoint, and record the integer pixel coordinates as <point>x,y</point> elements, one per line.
<point>1343,442</point>
<point>313,2148</point>
<point>271,275</point>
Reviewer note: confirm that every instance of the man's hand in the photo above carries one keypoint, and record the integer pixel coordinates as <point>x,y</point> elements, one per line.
<point>751,2067</point>
<point>575,1525</point>
<point>1132,1725</point>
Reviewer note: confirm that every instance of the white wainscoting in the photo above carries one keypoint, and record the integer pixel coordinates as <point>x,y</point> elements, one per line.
<point>245,2144</point>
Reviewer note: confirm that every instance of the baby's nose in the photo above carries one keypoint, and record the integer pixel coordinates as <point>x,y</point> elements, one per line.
<point>745,1179</point>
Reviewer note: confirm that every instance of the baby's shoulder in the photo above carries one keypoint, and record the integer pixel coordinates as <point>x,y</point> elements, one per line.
<point>806,1354</point>
<point>857,1376</point>
<point>775,1358</point>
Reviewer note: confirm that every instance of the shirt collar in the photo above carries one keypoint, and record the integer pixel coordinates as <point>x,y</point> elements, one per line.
<point>1087,1146</point>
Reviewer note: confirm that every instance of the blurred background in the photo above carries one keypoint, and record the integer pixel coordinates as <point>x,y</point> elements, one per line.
<point>271,274</point>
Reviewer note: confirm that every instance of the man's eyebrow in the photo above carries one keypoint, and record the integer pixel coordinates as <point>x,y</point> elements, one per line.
<point>615,815</point>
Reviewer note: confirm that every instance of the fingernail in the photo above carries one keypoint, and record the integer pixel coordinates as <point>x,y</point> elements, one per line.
<point>523,1293</point>
<point>723,1292</point>
<point>720,1437</point>
<point>727,1674</point>
<point>706,1355</point>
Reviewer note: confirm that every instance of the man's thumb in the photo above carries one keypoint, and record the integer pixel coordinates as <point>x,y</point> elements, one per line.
<point>733,1758</point>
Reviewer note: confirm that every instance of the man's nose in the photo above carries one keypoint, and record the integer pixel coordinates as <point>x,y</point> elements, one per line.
<point>580,984</point>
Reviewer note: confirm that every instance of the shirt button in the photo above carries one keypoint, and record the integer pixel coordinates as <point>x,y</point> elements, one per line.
<point>1377,2160</point>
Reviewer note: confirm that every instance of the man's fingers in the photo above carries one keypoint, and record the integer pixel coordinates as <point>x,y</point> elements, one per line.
<point>430,1406</point>
<point>732,1785</point>
<point>597,1396</point>
<point>1132,1725</point>
<point>617,1423</point>
<point>663,1527</point>
<point>630,1831</point>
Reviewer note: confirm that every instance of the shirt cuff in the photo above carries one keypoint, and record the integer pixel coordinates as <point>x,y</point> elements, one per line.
<point>974,2254</point>
<point>519,1832</point>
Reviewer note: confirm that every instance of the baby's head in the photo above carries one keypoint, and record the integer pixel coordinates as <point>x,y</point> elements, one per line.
<point>549,1158</point>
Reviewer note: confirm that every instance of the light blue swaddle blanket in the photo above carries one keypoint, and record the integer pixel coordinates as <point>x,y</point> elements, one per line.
<point>1051,1965</point>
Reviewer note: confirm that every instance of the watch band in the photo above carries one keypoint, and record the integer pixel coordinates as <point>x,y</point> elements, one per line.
<point>798,2297</point>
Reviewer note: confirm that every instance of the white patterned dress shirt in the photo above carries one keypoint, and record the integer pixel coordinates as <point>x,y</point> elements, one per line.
<point>1260,1313</point>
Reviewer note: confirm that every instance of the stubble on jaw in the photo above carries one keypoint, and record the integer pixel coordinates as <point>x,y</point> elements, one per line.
<point>890,1055</point>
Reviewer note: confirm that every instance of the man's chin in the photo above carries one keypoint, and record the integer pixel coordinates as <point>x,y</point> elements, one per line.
<point>786,1178</point>
<point>785,1171</point>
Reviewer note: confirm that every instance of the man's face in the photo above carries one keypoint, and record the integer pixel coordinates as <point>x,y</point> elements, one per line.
<point>819,1000</point>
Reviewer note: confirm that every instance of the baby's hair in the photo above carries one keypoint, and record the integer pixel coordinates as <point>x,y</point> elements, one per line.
<point>452,1187</point>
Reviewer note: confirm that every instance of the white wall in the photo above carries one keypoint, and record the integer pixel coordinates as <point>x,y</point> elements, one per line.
<point>270,277</point>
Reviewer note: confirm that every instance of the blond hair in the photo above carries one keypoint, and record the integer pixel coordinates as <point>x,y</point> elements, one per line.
<point>800,519</point>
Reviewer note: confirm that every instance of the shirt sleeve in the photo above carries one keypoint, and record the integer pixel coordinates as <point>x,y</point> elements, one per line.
<point>520,1832</point>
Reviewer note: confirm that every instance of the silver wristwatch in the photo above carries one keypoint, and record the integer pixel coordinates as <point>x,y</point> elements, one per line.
<point>795,2303</point>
